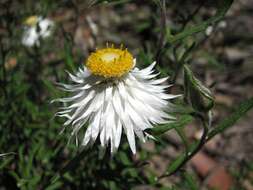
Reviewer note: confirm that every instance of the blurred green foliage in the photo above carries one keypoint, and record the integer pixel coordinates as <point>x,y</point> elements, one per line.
<point>43,158</point>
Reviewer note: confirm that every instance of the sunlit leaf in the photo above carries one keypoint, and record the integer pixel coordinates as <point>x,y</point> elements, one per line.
<point>181,122</point>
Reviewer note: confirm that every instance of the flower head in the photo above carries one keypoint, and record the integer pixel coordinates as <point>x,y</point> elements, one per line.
<point>110,62</point>
<point>110,94</point>
<point>32,20</point>
<point>36,28</point>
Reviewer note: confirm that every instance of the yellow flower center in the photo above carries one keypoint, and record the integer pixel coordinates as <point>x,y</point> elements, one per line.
<point>110,62</point>
<point>31,21</point>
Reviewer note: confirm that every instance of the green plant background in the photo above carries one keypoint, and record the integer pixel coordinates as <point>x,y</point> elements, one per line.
<point>38,156</point>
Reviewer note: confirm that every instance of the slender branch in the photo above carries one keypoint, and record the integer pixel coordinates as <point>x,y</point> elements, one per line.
<point>192,15</point>
<point>200,144</point>
<point>163,30</point>
<point>185,22</point>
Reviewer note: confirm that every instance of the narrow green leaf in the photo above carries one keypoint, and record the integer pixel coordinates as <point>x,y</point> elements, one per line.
<point>72,164</point>
<point>7,154</point>
<point>184,120</point>
<point>187,53</point>
<point>175,164</point>
<point>68,56</point>
<point>124,159</point>
<point>181,134</point>
<point>50,88</point>
<point>112,185</point>
<point>222,10</point>
<point>5,162</point>
<point>241,110</point>
<point>114,2</point>
<point>169,188</point>
<point>190,181</point>
<point>180,159</point>
<point>54,186</point>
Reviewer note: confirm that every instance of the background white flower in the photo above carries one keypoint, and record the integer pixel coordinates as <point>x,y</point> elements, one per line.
<point>36,28</point>
<point>115,98</point>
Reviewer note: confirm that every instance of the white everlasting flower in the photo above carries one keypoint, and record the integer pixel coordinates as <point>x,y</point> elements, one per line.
<point>36,28</point>
<point>111,95</point>
<point>209,30</point>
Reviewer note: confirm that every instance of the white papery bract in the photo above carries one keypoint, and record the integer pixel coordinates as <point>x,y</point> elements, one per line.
<point>131,103</point>
<point>40,28</point>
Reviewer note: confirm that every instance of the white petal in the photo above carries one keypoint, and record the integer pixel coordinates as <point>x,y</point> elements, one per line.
<point>118,134</point>
<point>134,102</point>
<point>87,136</point>
<point>130,136</point>
<point>95,126</point>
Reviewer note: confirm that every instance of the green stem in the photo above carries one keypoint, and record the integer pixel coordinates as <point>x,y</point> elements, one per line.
<point>190,154</point>
<point>163,30</point>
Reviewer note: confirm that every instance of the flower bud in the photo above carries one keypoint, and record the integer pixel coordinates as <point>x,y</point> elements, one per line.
<point>196,93</point>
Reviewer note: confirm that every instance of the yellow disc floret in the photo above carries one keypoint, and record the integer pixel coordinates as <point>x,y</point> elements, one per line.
<point>110,62</point>
<point>31,21</point>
